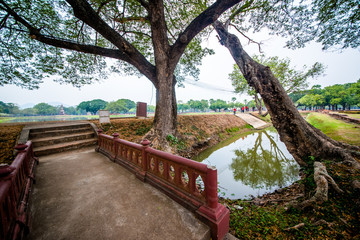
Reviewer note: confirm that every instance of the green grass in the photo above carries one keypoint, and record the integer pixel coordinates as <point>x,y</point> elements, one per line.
<point>353,115</point>
<point>5,119</point>
<point>336,129</point>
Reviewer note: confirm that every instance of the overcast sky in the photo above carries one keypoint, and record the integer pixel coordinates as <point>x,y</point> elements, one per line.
<point>341,67</point>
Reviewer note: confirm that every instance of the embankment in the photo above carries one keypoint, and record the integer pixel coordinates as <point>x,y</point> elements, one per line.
<point>196,132</point>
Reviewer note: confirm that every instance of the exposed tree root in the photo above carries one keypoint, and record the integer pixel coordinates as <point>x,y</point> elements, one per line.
<point>322,180</point>
<point>317,223</point>
<point>300,225</point>
<point>157,141</point>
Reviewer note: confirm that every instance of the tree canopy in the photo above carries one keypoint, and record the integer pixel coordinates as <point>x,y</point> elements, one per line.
<point>346,95</point>
<point>155,38</point>
<point>92,106</point>
<point>120,106</point>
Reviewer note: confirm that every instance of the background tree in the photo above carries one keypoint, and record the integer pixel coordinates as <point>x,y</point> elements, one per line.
<point>92,106</point>
<point>8,108</point>
<point>218,105</point>
<point>158,39</point>
<point>45,109</point>
<point>120,106</point>
<point>182,106</point>
<point>292,80</point>
<point>71,111</point>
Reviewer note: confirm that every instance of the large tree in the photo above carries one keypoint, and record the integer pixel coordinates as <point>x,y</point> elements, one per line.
<point>156,38</point>
<point>304,142</point>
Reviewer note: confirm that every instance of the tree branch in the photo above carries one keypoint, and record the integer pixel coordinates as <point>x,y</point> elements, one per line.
<point>133,56</point>
<point>250,40</point>
<point>131,19</point>
<point>207,17</point>
<point>86,13</point>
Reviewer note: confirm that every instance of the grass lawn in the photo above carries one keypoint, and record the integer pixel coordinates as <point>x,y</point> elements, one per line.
<point>353,115</point>
<point>336,129</point>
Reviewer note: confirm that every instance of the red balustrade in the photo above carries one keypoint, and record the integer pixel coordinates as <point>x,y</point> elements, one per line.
<point>190,183</point>
<point>15,186</point>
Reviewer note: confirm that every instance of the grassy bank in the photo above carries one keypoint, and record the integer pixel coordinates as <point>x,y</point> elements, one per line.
<point>336,129</point>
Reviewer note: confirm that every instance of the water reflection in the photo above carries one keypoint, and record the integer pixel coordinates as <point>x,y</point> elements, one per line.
<point>252,165</point>
<point>263,166</point>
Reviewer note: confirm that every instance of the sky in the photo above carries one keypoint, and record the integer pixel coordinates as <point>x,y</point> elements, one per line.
<point>341,67</point>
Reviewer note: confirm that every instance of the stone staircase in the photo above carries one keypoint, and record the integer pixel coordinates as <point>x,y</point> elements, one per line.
<point>62,137</point>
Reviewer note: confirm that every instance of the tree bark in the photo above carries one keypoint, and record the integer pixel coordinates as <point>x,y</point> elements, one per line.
<point>301,139</point>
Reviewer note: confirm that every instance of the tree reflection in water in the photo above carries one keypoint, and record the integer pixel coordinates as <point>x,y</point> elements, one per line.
<point>263,167</point>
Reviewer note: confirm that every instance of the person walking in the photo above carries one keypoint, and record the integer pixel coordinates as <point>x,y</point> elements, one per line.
<point>234,111</point>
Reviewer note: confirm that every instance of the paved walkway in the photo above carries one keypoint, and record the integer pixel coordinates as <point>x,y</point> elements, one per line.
<point>253,121</point>
<point>83,195</point>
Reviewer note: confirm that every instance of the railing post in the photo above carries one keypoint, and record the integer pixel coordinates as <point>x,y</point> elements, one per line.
<point>216,215</point>
<point>115,149</point>
<point>142,175</point>
<point>99,131</point>
<point>211,187</point>
<point>21,149</point>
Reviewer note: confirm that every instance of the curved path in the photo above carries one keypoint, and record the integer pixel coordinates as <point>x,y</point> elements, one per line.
<point>83,195</point>
<point>253,121</point>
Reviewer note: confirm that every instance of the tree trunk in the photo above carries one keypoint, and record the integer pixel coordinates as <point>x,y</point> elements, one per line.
<point>301,139</point>
<point>165,120</point>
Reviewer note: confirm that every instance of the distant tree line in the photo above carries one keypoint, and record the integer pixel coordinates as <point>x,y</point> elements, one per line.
<point>38,109</point>
<point>120,106</point>
<point>214,105</point>
<point>335,97</point>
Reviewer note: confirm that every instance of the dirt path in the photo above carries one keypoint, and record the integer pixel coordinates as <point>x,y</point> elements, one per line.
<point>83,195</point>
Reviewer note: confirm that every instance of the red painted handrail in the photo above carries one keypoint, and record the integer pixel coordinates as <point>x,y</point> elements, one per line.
<point>15,186</point>
<point>190,183</point>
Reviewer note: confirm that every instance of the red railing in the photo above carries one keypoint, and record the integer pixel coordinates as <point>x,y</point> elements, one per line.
<point>15,186</point>
<point>188,182</point>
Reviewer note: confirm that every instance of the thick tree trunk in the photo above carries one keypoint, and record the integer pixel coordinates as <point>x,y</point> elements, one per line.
<point>301,139</point>
<point>165,120</point>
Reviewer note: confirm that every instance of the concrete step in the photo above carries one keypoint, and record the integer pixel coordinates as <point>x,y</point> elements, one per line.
<point>60,127</point>
<point>53,133</point>
<point>39,142</point>
<point>62,147</point>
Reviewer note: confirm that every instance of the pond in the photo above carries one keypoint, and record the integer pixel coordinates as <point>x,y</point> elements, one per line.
<point>251,165</point>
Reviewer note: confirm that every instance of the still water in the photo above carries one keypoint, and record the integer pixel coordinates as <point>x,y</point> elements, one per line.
<point>251,165</point>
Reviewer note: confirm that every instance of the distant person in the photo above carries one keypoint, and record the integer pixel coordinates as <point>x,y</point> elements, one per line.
<point>246,108</point>
<point>242,109</point>
<point>253,108</point>
<point>234,111</point>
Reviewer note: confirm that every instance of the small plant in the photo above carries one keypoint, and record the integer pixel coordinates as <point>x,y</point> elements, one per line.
<point>175,142</point>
